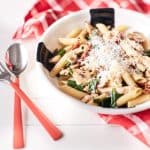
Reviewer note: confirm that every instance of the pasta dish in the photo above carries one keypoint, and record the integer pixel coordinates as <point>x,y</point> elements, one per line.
<point>104,66</point>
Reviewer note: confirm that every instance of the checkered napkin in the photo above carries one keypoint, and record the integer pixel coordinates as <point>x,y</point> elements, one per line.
<point>45,12</point>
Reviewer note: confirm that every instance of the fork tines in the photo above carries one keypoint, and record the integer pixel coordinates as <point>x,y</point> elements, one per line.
<point>2,68</point>
<point>4,73</point>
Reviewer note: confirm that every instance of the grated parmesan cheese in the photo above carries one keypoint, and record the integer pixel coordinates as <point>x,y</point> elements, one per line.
<point>102,53</point>
<point>106,53</point>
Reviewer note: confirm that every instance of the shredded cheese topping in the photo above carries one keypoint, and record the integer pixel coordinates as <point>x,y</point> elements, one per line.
<point>102,53</point>
<point>105,54</point>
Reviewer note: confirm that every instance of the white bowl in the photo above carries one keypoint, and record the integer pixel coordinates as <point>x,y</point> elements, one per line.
<point>64,25</point>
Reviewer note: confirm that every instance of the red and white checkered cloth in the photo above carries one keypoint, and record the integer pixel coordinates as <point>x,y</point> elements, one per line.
<point>45,12</point>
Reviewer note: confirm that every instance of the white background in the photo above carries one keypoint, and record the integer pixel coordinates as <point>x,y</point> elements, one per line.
<point>82,129</point>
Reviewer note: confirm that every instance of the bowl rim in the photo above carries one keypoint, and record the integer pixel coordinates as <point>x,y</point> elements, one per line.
<point>97,109</point>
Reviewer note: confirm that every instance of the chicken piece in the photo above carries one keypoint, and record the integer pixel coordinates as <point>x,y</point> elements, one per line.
<point>136,36</point>
<point>137,46</point>
<point>81,76</point>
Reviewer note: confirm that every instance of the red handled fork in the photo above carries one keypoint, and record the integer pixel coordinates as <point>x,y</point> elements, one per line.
<point>18,138</point>
<point>52,130</point>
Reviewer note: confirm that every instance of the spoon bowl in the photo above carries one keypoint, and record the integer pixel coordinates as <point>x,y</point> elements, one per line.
<point>16,58</point>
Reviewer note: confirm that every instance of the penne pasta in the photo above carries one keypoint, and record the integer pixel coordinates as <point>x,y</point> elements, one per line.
<point>83,33</point>
<point>122,90</point>
<point>88,28</point>
<point>139,100</point>
<point>139,78</point>
<point>102,28</point>
<point>121,28</point>
<point>68,41</point>
<point>141,67</point>
<point>72,92</point>
<point>101,97</point>
<point>60,64</point>
<point>74,33</point>
<point>55,59</point>
<point>128,79</point>
<point>129,96</point>
<point>146,44</point>
<point>81,36</point>
<point>68,48</point>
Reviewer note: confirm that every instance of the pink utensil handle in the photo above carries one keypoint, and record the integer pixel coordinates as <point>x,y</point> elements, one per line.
<point>18,139</point>
<point>52,130</point>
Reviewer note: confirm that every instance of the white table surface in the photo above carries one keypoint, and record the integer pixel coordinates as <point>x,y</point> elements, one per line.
<point>82,130</point>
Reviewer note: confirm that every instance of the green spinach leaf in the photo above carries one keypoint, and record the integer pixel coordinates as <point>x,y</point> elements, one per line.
<point>61,52</point>
<point>114,97</point>
<point>70,72</point>
<point>92,85</point>
<point>103,102</point>
<point>109,101</point>
<point>73,84</point>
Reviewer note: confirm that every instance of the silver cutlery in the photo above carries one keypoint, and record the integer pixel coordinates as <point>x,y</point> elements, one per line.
<point>52,130</point>
<point>16,61</point>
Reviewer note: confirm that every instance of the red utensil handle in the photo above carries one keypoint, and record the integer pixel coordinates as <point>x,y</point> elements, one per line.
<point>18,139</point>
<point>47,124</point>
